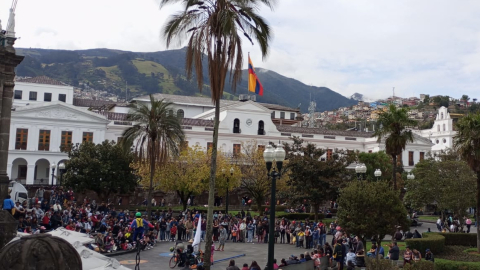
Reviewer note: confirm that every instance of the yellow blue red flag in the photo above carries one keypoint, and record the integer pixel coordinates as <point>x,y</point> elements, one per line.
<point>254,84</point>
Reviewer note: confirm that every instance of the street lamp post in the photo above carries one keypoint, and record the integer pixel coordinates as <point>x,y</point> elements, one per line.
<point>61,168</point>
<point>228,185</point>
<point>269,156</point>
<point>378,173</point>
<point>53,166</point>
<point>361,170</point>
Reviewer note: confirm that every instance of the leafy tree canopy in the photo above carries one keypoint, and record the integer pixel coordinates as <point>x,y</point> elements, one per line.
<point>103,168</point>
<point>378,160</point>
<point>314,175</point>
<point>447,183</point>
<point>254,173</point>
<point>371,209</point>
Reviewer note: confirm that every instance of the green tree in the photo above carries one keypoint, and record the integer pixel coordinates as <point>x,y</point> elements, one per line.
<point>442,182</point>
<point>156,135</point>
<point>465,98</point>
<point>103,168</point>
<point>214,30</point>
<point>254,181</point>
<point>314,175</point>
<point>393,129</point>
<point>378,160</point>
<point>467,144</point>
<point>371,209</point>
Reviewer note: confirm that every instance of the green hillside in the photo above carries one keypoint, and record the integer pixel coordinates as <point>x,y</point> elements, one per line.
<point>109,70</point>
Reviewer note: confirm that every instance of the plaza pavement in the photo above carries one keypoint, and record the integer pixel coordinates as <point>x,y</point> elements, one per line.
<point>158,257</point>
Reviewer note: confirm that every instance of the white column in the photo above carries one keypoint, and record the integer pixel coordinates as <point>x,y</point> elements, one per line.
<point>30,173</point>
<point>9,170</point>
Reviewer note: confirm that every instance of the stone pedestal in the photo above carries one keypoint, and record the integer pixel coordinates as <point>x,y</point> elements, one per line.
<point>40,252</point>
<point>8,228</point>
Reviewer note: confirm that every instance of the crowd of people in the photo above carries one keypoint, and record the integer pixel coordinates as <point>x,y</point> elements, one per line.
<point>111,229</point>
<point>117,229</point>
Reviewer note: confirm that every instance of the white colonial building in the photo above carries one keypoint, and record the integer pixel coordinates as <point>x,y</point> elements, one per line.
<point>442,132</point>
<point>41,127</point>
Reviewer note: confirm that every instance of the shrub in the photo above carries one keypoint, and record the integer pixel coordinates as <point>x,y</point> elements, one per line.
<point>278,208</point>
<point>301,216</point>
<point>421,265</point>
<point>432,241</point>
<point>381,264</point>
<point>455,265</point>
<point>460,239</point>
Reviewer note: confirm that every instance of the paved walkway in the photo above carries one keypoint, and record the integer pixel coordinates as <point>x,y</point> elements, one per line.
<point>159,256</point>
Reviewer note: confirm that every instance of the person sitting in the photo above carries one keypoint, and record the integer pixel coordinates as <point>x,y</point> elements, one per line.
<point>429,256</point>
<point>380,251</point>
<point>283,262</point>
<point>416,255</point>
<point>398,235</point>
<point>307,256</point>
<point>302,258</point>
<point>351,257</point>
<point>360,259</point>
<point>408,235</point>
<point>292,260</point>
<point>417,234</point>
<point>394,252</point>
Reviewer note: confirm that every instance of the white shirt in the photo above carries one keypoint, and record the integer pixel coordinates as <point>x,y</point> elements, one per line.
<point>57,207</point>
<point>439,221</point>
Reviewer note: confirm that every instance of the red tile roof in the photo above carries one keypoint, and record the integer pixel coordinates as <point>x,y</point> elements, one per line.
<point>43,80</point>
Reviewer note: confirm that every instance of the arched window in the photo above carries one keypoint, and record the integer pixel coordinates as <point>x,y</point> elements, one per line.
<point>441,115</point>
<point>261,128</point>
<point>443,127</point>
<point>170,112</point>
<point>236,125</point>
<point>180,114</point>
<point>438,127</point>
<point>444,140</point>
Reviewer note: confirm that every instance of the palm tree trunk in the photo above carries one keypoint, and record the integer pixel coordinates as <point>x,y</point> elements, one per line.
<point>211,193</point>
<point>478,210</point>
<point>152,173</point>
<point>394,176</point>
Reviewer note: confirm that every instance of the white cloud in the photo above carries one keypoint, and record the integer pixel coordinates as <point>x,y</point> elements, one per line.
<point>366,46</point>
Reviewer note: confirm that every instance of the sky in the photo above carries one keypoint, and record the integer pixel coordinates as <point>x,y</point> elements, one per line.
<point>369,47</point>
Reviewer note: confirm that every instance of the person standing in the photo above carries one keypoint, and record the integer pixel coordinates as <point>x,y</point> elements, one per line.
<point>39,194</point>
<point>469,224</point>
<point>241,234</point>
<point>222,238</point>
<point>439,224</point>
<point>250,229</point>
<point>8,204</point>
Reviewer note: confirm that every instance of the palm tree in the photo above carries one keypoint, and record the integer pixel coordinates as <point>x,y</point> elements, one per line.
<point>155,133</point>
<point>467,144</point>
<point>214,29</point>
<point>393,125</point>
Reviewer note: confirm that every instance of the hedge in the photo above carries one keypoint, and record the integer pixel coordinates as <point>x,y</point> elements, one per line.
<point>277,208</point>
<point>432,241</point>
<point>460,239</point>
<point>301,216</point>
<point>441,264</point>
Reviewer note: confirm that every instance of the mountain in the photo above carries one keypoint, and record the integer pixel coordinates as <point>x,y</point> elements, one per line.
<point>164,71</point>
<point>357,97</point>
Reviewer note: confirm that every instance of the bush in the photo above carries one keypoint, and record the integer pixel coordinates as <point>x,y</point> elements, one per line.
<point>301,216</point>
<point>455,265</point>
<point>380,264</point>
<point>432,241</point>
<point>460,239</point>
<point>421,265</point>
<point>278,208</point>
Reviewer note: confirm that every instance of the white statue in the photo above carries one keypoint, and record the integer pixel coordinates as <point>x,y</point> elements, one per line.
<point>11,23</point>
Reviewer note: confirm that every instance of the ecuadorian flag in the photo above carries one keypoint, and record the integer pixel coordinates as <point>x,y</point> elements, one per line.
<point>254,84</point>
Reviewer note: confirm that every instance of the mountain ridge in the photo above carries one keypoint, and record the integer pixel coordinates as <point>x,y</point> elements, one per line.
<point>163,72</point>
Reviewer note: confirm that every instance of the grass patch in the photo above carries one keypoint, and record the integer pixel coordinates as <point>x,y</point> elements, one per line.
<point>432,218</point>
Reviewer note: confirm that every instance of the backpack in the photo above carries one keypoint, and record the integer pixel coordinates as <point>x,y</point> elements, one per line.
<point>322,230</point>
